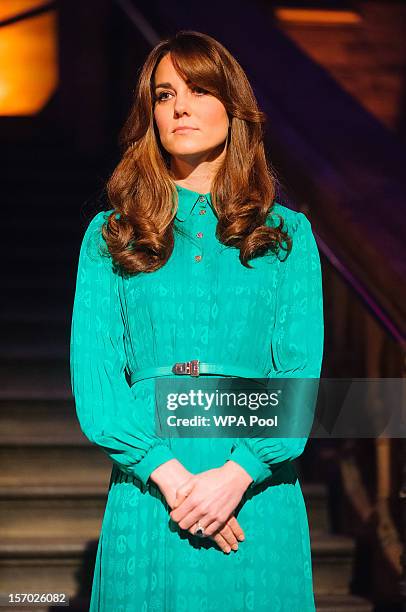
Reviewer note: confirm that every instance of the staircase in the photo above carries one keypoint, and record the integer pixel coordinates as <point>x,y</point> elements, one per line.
<point>53,482</point>
<point>53,489</point>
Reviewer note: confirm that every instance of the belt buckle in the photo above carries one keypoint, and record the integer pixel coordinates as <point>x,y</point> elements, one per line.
<point>187,367</point>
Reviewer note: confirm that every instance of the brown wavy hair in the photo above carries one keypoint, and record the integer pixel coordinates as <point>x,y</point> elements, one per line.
<point>142,190</point>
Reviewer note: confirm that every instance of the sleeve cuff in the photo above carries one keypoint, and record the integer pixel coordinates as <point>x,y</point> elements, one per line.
<point>158,454</point>
<point>251,464</point>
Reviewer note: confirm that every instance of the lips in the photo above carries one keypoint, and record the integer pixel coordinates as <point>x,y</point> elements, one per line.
<point>184,128</point>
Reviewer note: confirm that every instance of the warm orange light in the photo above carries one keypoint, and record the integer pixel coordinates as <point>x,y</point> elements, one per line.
<point>28,59</point>
<point>10,8</point>
<point>316,16</point>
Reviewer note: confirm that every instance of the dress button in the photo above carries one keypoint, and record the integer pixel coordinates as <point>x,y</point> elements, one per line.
<point>198,257</point>
<point>199,234</point>
<point>202,212</point>
<point>202,199</point>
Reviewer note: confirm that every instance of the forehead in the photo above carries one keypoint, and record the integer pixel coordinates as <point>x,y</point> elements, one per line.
<point>165,71</point>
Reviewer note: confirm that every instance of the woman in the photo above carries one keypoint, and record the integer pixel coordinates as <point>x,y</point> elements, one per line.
<point>164,277</point>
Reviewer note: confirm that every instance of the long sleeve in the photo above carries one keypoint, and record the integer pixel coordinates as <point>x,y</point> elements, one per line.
<point>297,346</point>
<point>107,409</point>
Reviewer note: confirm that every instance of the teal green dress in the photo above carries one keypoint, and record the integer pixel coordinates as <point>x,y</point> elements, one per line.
<point>203,304</point>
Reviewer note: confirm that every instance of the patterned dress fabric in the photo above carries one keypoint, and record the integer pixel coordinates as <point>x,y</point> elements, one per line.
<point>203,304</point>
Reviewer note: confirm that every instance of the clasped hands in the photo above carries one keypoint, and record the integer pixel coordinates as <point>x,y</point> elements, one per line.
<point>209,497</point>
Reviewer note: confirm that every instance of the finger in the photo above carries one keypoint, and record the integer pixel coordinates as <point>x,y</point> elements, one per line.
<point>193,529</point>
<point>214,527</point>
<point>186,487</point>
<point>192,518</point>
<point>183,509</point>
<point>179,499</point>
<point>237,529</point>
<point>221,542</point>
<point>229,536</point>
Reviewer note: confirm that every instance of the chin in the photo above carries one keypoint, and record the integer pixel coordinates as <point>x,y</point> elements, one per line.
<point>179,151</point>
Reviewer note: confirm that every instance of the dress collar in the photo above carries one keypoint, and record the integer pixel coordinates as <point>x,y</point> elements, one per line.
<point>190,202</point>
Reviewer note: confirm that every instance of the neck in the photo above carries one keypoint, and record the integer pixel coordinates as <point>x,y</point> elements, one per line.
<point>203,186</point>
<point>196,176</point>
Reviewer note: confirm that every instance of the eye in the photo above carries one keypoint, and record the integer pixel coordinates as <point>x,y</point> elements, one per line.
<point>200,89</point>
<point>160,98</point>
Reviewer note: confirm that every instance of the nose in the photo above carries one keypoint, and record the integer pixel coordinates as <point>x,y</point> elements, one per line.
<point>181,105</point>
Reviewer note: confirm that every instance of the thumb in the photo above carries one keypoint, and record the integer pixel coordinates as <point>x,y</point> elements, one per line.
<point>186,488</point>
<point>177,501</point>
<point>182,492</point>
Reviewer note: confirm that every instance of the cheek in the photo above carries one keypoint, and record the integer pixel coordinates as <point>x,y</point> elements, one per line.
<point>215,116</point>
<point>160,120</point>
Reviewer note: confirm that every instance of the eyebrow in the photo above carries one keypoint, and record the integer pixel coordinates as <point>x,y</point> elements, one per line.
<point>167,85</point>
<point>163,85</point>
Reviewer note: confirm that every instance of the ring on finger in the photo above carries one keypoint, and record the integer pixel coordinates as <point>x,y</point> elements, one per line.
<point>199,531</point>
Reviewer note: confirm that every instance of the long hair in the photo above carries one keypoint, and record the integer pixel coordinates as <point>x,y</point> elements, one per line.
<point>141,237</point>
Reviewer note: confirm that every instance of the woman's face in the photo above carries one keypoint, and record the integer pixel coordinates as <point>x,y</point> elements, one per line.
<point>180,104</point>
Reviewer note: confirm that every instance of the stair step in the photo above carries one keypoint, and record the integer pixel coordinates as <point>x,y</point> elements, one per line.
<point>48,278</point>
<point>27,379</point>
<point>324,603</point>
<point>41,432</point>
<point>46,339</point>
<point>327,603</point>
<point>35,224</point>
<point>332,562</point>
<point>76,604</point>
<point>52,511</point>
<point>16,314</point>
<point>37,421</point>
<point>43,305</point>
<point>39,255</point>
<point>53,564</point>
<point>47,565</point>
<point>84,465</point>
<point>74,215</point>
<point>342,603</point>
<point>316,500</point>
